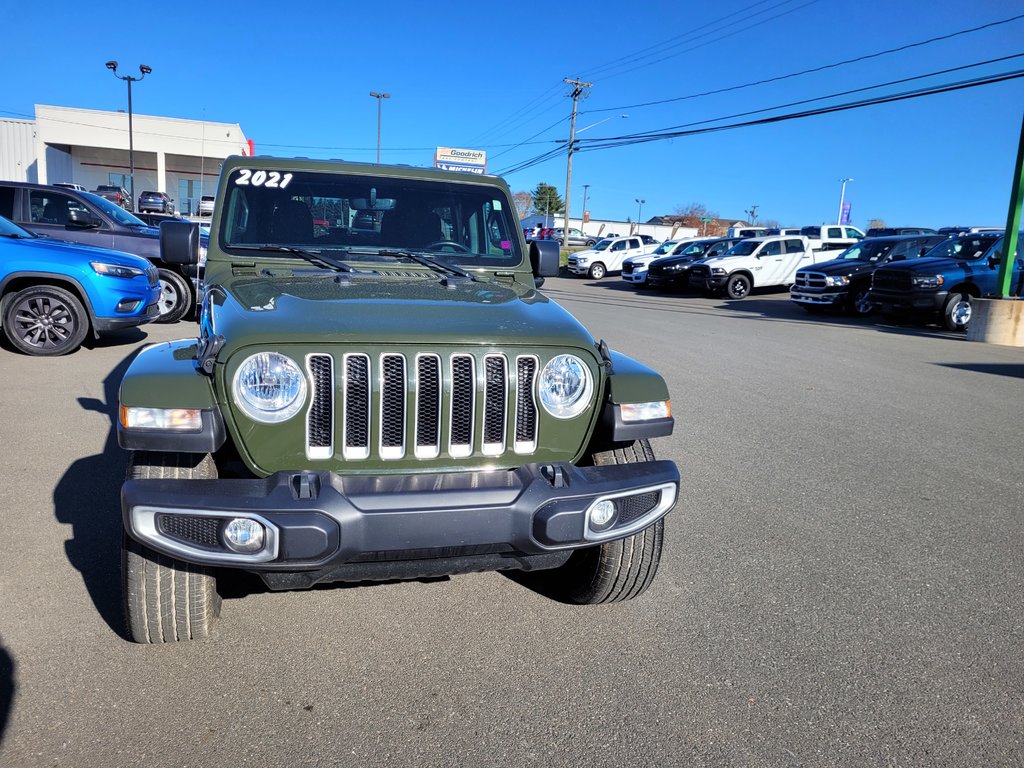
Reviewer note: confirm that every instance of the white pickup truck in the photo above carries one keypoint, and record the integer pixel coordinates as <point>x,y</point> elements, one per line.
<point>831,237</point>
<point>607,256</point>
<point>756,263</point>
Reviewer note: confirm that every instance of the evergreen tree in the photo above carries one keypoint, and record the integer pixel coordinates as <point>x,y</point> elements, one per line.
<point>546,200</point>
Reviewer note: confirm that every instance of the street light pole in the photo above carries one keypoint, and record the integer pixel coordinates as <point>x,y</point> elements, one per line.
<point>842,199</point>
<point>639,208</point>
<point>145,70</point>
<point>380,98</point>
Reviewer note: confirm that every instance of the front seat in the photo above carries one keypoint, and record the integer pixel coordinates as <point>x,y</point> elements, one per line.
<point>55,213</point>
<point>291,222</point>
<point>411,228</point>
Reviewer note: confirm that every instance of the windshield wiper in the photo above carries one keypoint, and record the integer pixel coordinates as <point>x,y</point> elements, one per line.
<point>313,257</point>
<point>427,261</point>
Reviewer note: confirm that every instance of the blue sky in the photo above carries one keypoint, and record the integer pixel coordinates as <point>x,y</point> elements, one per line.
<point>489,76</point>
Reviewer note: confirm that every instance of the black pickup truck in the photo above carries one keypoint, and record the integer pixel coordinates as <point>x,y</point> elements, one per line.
<point>945,281</point>
<point>844,282</point>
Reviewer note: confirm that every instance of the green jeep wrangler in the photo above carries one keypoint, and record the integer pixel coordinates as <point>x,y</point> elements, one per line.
<point>379,391</point>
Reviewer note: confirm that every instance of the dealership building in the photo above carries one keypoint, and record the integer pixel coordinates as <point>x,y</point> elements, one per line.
<point>90,147</point>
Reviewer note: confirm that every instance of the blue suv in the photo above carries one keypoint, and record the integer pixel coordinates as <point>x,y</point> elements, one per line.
<point>52,293</point>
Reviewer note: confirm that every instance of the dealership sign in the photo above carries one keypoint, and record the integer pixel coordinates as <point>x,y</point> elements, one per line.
<point>464,160</point>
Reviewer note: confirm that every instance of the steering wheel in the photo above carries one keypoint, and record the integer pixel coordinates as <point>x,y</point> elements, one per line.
<point>445,243</point>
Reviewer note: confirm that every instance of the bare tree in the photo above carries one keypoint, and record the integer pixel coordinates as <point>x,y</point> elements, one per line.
<point>522,201</point>
<point>692,213</point>
<point>769,223</point>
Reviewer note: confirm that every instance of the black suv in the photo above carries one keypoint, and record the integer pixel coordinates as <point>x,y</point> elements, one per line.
<point>84,217</point>
<point>155,202</point>
<point>116,195</point>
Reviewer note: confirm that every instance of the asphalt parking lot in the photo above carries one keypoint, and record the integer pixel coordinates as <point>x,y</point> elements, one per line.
<point>841,584</point>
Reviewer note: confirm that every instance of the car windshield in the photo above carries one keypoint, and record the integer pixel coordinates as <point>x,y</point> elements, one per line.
<point>964,246</point>
<point>868,250</point>
<point>116,212</point>
<point>602,245</point>
<point>466,223</point>
<point>744,248</point>
<point>10,229</point>
<point>664,248</point>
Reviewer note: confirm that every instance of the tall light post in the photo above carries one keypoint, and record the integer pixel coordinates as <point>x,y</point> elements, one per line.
<point>145,70</point>
<point>586,188</point>
<point>639,208</point>
<point>842,199</point>
<point>380,98</point>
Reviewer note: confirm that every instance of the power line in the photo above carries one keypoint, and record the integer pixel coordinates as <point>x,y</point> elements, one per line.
<point>822,68</point>
<point>622,141</point>
<point>679,39</point>
<point>839,93</point>
<point>591,145</point>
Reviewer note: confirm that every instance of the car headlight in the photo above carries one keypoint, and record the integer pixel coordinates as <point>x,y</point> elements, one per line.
<point>115,270</point>
<point>835,281</point>
<point>717,271</point>
<point>582,260</point>
<point>565,386</point>
<point>927,281</point>
<point>269,387</point>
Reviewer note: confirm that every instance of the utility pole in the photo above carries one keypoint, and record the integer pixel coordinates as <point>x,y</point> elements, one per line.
<point>577,90</point>
<point>752,213</point>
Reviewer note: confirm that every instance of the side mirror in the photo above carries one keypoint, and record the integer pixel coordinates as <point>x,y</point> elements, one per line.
<point>994,259</point>
<point>179,242</point>
<point>82,219</point>
<point>544,258</point>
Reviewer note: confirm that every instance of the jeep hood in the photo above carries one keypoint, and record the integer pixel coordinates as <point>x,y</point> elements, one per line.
<point>421,310</point>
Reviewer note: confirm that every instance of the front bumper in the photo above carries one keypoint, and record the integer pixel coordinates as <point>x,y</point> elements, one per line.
<point>637,278</point>
<point>578,269</point>
<point>108,324</point>
<point>322,526</point>
<point>899,303</point>
<point>820,299</point>
<point>709,283</point>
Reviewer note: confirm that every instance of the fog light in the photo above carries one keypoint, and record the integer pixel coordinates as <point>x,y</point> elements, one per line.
<point>127,305</point>
<point>244,535</point>
<point>602,515</point>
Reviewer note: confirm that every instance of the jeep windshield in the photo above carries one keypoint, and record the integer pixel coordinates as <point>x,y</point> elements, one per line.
<point>369,218</point>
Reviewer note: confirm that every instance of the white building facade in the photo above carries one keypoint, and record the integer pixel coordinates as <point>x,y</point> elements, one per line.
<point>90,147</point>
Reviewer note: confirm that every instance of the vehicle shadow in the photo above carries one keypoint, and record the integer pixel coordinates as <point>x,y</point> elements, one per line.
<point>115,338</point>
<point>88,498</point>
<point>781,309</point>
<point>7,688</point>
<point>1015,370</point>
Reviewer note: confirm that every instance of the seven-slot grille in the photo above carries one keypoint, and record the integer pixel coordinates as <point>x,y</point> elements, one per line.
<point>891,280</point>
<point>423,404</point>
<point>810,280</point>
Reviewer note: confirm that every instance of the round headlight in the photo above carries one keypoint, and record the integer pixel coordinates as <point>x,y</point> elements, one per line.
<point>565,386</point>
<point>269,387</point>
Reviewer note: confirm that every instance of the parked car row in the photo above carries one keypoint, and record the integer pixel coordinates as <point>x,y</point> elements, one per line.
<point>922,272</point>
<point>149,201</point>
<point>45,222</point>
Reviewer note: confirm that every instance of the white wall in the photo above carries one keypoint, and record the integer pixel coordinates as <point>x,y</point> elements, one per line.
<point>17,150</point>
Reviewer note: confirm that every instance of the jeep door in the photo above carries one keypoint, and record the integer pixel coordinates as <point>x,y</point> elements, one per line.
<point>51,213</point>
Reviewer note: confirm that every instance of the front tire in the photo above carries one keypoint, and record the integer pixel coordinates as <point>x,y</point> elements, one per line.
<point>956,314</point>
<point>166,600</point>
<point>45,321</point>
<point>597,271</point>
<point>859,305</point>
<point>737,287</point>
<point>175,297</point>
<point>615,570</point>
